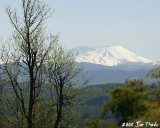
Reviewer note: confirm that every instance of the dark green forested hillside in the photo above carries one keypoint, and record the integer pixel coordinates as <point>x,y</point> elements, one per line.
<point>92,99</point>
<point>126,105</point>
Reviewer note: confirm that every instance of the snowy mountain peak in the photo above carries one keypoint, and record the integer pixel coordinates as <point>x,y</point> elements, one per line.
<point>109,56</point>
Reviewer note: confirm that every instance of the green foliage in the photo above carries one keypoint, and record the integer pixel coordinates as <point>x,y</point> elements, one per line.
<point>152,103</point>
<point>92,98</point>
<point>99,124</point>
<point>40,77</point>
<point>152,100</point>
<point>154,73</point>
<point>91,101</point>
<point>130,103</point>
<point>126,102</point>
<point>92,123</point>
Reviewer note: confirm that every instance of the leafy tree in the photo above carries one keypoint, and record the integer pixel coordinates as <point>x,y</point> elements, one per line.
<point>152,101</point>
<point>126,102</point>
<point>133,102</point>
<point>29,48</point>
<point>40,78</point>
<point>154,73</point>
<point>65,83</point>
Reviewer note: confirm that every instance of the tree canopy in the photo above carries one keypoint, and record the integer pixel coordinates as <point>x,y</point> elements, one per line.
<point>39,78</point>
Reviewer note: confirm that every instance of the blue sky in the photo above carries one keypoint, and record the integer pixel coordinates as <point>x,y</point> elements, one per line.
<point>133,24</point>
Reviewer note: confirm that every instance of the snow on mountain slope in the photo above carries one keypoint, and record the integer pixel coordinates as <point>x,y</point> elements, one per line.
<point>109,56</point>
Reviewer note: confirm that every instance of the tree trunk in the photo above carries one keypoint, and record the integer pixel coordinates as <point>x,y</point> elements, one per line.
<point>59,105</point>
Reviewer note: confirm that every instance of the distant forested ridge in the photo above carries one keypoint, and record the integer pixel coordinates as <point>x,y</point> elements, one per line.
<point>90,103</point>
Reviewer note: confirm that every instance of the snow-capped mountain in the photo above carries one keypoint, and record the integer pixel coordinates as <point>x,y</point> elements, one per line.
<point>108,56</point>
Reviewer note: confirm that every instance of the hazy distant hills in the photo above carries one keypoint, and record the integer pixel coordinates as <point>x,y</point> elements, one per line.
<point>113,64</point>
<point>101,74</point>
